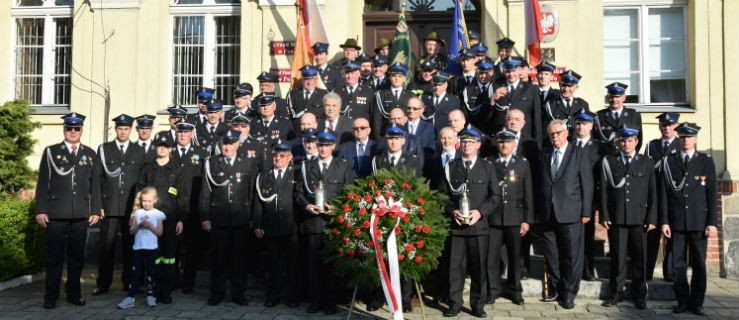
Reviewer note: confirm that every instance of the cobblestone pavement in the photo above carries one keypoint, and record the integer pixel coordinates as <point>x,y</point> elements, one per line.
<point>25,302</point>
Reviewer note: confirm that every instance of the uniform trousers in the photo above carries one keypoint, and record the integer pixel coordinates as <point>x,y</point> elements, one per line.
<point>628,241</point>
<point>65,239</point>
<point>166,261</point>
<point>229,252</point>
<point>511,238</point>
<point>589,242</point>
<point>283,267</point>
<point>653,246</point>
<point>695,244</point>
<point>195,242</point>
<point>563,246</point>
<point>473,250</point>
<point>321,278</point>
<point>109,228</point>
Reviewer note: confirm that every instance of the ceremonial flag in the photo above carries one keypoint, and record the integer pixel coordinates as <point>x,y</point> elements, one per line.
<point>400,51</point>
<point>534,34</point>
<point>460,39</point>
<point>301,57</point>
<point>314,24</point>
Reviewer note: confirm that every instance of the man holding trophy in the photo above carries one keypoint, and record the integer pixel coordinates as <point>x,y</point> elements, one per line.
<point>472,187</point>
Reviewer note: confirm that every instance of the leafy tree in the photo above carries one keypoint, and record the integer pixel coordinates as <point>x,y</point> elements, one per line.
<point>16,143</point>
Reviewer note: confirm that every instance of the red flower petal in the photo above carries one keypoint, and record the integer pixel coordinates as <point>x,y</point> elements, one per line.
<point>418,228</point>
<point>388,181</point>
<point>357,232</point>
<point>420,244</point>
<point>409,247</point>
<point>420,201</point>
<point>341,219</point>
<point>366,224</point>
<point>371,184</point>
<point>418,259</point>
<point>362,211</point>
<point>397,230</point>
<point>426,229</point>
<point>401,257</point>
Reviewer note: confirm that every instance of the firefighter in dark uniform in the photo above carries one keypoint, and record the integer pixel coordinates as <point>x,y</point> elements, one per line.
<point>173,190</point>
<point>248,146</point>
<point>330,75</point>
<point>544,77</point>
<point>467,77</point>
<point>471,183</point>
<point>309,98</point>
<point>439,102</point>
<point>268,127</point>
<point>393,96</point>
<point>509,221</point>
<point>225,212</point>
<point>432,45</point>
<point>505,48</point>
<point>481,52</point>
<point>327,175</point>
<point>274,219</point>
<point>117,170</point>
<point>268,87</point>
<point>208,133</point>
<point>476,97</point>
<point>393,156</point>
<point>688,215</point>
<point>356,99</point>
<point>422,80</point>
<point>365,70</point>
<point>190,158</point>
<point>565,104</point>
<point>176,114</point>
<point>242,103</point>
<point>616,115</point>
<point>144,123</point>
<point>628,193</point>
<point>658,149</point>
<point>379,80</point>
<point>203,96</point>
<point>67,202</point>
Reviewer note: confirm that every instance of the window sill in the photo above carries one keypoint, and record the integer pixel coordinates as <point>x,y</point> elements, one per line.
<point>659,108</point>
<point>50,109</point>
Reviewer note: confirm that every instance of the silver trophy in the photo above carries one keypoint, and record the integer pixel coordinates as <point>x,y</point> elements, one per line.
<point>320,197</point>
<point>464,207</point>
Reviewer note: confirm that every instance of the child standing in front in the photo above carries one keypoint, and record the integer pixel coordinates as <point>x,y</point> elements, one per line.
<point>146,227</point>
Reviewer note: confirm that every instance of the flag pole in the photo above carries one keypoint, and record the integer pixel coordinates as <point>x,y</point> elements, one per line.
<point>402,9</point>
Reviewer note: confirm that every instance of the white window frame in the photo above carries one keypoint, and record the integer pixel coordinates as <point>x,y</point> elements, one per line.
<point>643,7</point>
<point>48,11</point>
<point>209,10</point>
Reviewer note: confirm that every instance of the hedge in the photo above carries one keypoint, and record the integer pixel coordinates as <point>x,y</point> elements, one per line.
<point>22,241</point>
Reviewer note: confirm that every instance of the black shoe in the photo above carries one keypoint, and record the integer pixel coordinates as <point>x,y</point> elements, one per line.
<point>551,298</point>
<point>270,303</point>
<point>292,304</point>
<point>407,308</point>
<point>240,301</point>
<point>77,301</point>
<point>667,278</point>
<point>49,304</point>
<point>479,313</point>
<point>98,291</point>
<point>374,306</point>
<point>214,301</point>
<point>614,300</point>
<point>567,304</point>
<point>587,276</point>
<point>187,290</point>
<point>490,300</point>
<point>314,308</point>
<point>329,310</point>
<point>517,300</point>
<point>640,304</point>
<point>451,312</point>
<point>166,298</point>
<point>697,311</point>
<point>524,275</point>
<point>680,308</point>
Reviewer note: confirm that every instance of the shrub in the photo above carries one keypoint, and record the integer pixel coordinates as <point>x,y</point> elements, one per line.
<point>22,241</point>
<point>16,144</point>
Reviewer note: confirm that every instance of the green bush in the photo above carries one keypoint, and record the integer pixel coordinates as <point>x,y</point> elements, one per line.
<point>16,144</point>
<point>22,241</point>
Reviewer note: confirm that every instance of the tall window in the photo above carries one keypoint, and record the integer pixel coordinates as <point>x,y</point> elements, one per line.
<point>43,52</point>
<point>645,46</point>
<point>206,49</point>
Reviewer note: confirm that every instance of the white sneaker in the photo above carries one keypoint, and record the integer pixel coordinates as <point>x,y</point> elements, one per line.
<point>151,301</point>
<point>128,302</point>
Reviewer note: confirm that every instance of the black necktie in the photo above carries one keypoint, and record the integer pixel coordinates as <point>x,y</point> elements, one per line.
<point>306,95</point>
<point>143,145</point>
<point>467,166</point>
<point>325,166</point>
<point>555,163</point>
<point>568,103</point>
<point>212,130</point>
<point>123,150</point>
<point>505,164</point>
<point>685,162</point>
<point>665,146</point>
<point>397,95</point>
<point>351,91</point>
<point>392,161</point>
<point>469,80</point>
<point>183,151</point>
<point>279,174</point>
<point>436,101</point>
<point>628,162</point>
<point>579,144</point>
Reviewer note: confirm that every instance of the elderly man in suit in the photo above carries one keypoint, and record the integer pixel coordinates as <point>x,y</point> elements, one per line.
<point>565,200</point>
<point>359,152</point>
<point>332,120</point>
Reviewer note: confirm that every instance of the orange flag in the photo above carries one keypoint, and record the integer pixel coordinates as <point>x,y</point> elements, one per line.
<point>301,57</point>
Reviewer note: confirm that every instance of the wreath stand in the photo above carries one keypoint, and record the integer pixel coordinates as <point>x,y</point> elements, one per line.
<point>418,292</point>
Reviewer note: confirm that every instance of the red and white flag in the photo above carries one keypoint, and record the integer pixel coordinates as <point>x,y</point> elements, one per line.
<point>534,34</point>
<point>314,22</point>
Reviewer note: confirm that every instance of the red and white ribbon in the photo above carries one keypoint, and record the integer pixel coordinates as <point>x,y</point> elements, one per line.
<point>390,274</point>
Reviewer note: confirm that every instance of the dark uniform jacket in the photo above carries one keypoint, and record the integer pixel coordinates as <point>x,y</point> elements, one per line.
<point>605,125</point>
<point>439,61</point>
<point>360,167</point>
<point>569,195</point>
<point>118,190</point>
<point>279,129</point>
<point>517,193</point>
<point>439,114</point>
<point>372,82</point>
<point>253,149</point>
<point>282,109</point>
<point>635,202</point>
<point>358,104</point>
<point>150,151</point>
<point>483,193</point>
<point>385,102</point>
<point>557,109</point>
<point>343,127</point>
<point>552,94</point>
<point>278,219</point>
<point>337,175</point>
<point>433,169</point>
<point>65,188</point>
<point>420,86</point>
<point>477,108</point>
<point>208,140</point>
<point>694,206</point>
<point>172,185</point>
<point>299,106</point>
<point>196,118</point>
<point>525,98</point>
<point>225,197</point>
<point>655,150</point>
<point>331,77</point>
<point>458,83</point>
<point>407,162</point>
<point>191,168</point>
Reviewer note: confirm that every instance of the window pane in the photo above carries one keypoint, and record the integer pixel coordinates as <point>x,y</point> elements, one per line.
<point>621,50</point>
<point>30,3</point>
<point>188,37</point>
<point>417,5</point>
<point>189,1</point>
<point>29,54</point>
<point>667,46</point>
<point>63,58</point>
<point>228,35</point>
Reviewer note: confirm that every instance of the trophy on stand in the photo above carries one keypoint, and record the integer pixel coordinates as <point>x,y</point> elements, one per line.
<point>320,198</point>
<point>464,207</point>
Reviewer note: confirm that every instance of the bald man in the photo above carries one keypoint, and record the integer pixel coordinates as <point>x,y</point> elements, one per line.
<point>359,151</point>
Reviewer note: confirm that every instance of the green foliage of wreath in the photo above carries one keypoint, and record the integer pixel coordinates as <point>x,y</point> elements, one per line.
<point>420,235</point>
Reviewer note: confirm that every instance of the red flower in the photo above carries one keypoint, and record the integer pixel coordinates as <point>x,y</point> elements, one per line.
<point>381,212</point>
<point>341,219</point>
<point>371,184</point>
<point>362,211</point>
<point>397,229</point>
<point>418,228</point>
<point>348,225</point>
<point>393,215</point>
<point>370,244</point>
<point>366,225</point>
<point>388,181</point>
<point>346,240</point>
<point>350,195</point>
<point>408,204</point>
<point>368,198</point>
<point>388,194</point>
<point>406,186</point>
<point>409,247</point>
<point>346,208</point>
<point>378,232</point>
<point>420,201</point>
<point>420,244</point>
<point>336,232</point>
<point>406,219</point>
<point>418,259</point>
<point>426,229</point>
<point>357,232</point>
<point>350,253</point>
<point>401,257</point>
<point>377,192</point>
<point>357,198</point>
<point>421,211</point>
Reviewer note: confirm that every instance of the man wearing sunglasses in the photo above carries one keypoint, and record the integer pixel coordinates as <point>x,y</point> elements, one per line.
<point>359,152</point>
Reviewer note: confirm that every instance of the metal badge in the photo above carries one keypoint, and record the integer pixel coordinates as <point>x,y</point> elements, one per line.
<point>238,177</point>
<point>703,181</point>
<point>220,174</point>
<point>512,175</point>
<point>251,153</point>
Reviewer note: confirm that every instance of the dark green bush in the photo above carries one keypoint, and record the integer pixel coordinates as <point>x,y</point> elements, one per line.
<point>16,144</point>
<point>22,241</point>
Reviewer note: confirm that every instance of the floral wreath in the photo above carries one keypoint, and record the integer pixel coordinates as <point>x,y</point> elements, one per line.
<point>386,201</point>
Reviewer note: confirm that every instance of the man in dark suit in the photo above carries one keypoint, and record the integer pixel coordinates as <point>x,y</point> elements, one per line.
<point>242,103</point>
<point>269,128</point>
<point>275,220</point>
<point>564,205</point>
<point>616,115</point>
<point>209,133</point>
<point>330,75</point>
<point>467,60</point>
<point>359,152</point>
<point>144,123</point>
<point>439,102</point>
<point>476,98</point>
<point>544,77</point>
<point>565,105</point>
<point>356,99</point>
<point>472,186</point>
<point>628,192</point>
<point>392,97</point>
<point>658,149</point>
<point>225,212</point>
<point>331,174</point>
<point>433,169</point>
<point>332,120</point>
<point>515,94</point>
<point>309,98</point>
<point>423,130</point>
<point>66,212</point>
<point>117,169</point>
<point>509,221</point>
<point>395,156</point>
<point>203,96</point>
<point>176,114</point>
<point>689,215</point>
